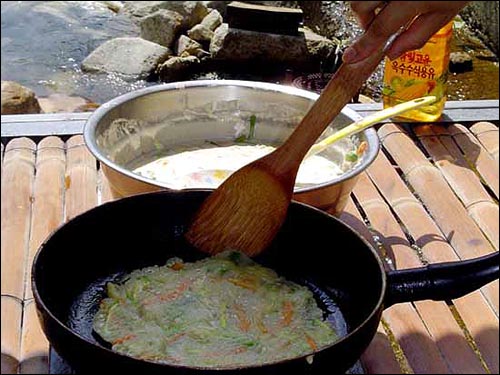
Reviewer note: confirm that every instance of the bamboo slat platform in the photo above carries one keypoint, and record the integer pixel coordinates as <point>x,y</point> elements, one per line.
<point>431,196</point>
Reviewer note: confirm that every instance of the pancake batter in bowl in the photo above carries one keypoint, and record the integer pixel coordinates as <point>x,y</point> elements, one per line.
<point>199,167</point>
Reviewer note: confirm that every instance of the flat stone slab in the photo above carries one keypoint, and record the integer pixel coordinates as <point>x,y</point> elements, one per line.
<point>264,18</point>
<point>306,50</point>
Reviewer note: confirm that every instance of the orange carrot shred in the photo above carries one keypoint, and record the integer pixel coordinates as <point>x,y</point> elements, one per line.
<point>177,266</point>
<point>121,340</point>
<point>171,295</point>
<point>287,313</point>
<point>311,342</point>
<point>244,322</point>
<point>244,283</point>
<point>361,148</point>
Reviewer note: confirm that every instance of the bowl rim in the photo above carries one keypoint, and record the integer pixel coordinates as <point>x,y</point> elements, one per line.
<point>96,116</point>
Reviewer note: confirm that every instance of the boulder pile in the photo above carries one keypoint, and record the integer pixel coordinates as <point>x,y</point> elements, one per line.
<point>178,38</point>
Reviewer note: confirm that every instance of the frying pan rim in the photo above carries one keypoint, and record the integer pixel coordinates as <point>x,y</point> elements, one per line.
<point>41,304</point>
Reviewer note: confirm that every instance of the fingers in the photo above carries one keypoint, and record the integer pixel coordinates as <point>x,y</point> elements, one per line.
<point>417,34</point>
<point>365,11</point>
<point>387,23</point>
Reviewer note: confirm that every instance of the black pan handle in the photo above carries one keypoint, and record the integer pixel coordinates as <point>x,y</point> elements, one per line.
<point>442,281</point>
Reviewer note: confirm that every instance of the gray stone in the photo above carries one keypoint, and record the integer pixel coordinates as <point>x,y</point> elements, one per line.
<point>134,58</point>
<point>176,68</point>
<point>319,47</point>
<point>114,6</point>
<point>192,12</point>
<point>482,16</point>
<point>217,43</point>
<point>332,19</point>
<point>204,31</point>
<point>306,50</point>
<point>17,99</point>
<point>200,33</point>
<point>220,6</point>
<point>186,46</point>
<point>161,27</point>
<point>139,9</point>
<point>212,20</point>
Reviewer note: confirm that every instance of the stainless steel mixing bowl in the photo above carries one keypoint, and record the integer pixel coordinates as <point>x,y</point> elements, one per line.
<point>144,123</point>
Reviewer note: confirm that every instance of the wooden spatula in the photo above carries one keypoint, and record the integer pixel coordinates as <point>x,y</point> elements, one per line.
<point>247,210</point>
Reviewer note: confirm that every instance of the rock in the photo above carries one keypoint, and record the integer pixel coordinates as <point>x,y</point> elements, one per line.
<point>57,103</point>
<point>200,33</point>
<point>212,20</point>
<point>218,39</point>
<point>482,16</point>
<point>204,31</point>
<point>134,58</point>
<point>161,27</point>
<point>336,21</point>
<point>114,6</point>
<point>320,48</point>
<point>176,68</point>
<point>192,12</point>
<point>220,6</point>
<point>138,9</point>
<point>305,51</point>
<point>186,46</point>
<point>17,99</point>
<point>460,62</point>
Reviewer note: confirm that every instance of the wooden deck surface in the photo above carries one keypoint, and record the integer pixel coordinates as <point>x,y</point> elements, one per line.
<point>431,196</point>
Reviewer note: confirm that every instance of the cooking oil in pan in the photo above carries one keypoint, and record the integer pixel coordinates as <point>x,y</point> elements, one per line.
<point>330,308</point>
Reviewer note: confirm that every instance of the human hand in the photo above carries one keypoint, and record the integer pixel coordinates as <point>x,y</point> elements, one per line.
<point>382,19</point>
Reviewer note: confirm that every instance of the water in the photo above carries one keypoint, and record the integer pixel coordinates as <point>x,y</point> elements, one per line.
<point>483,81</point>
<point>44,43</point>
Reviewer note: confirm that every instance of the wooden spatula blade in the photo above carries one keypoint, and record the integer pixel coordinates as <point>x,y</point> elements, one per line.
<point>251,202</point>
<point>247,210</point>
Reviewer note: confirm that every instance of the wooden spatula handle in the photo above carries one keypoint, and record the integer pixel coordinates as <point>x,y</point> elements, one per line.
<point>342,87</point>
